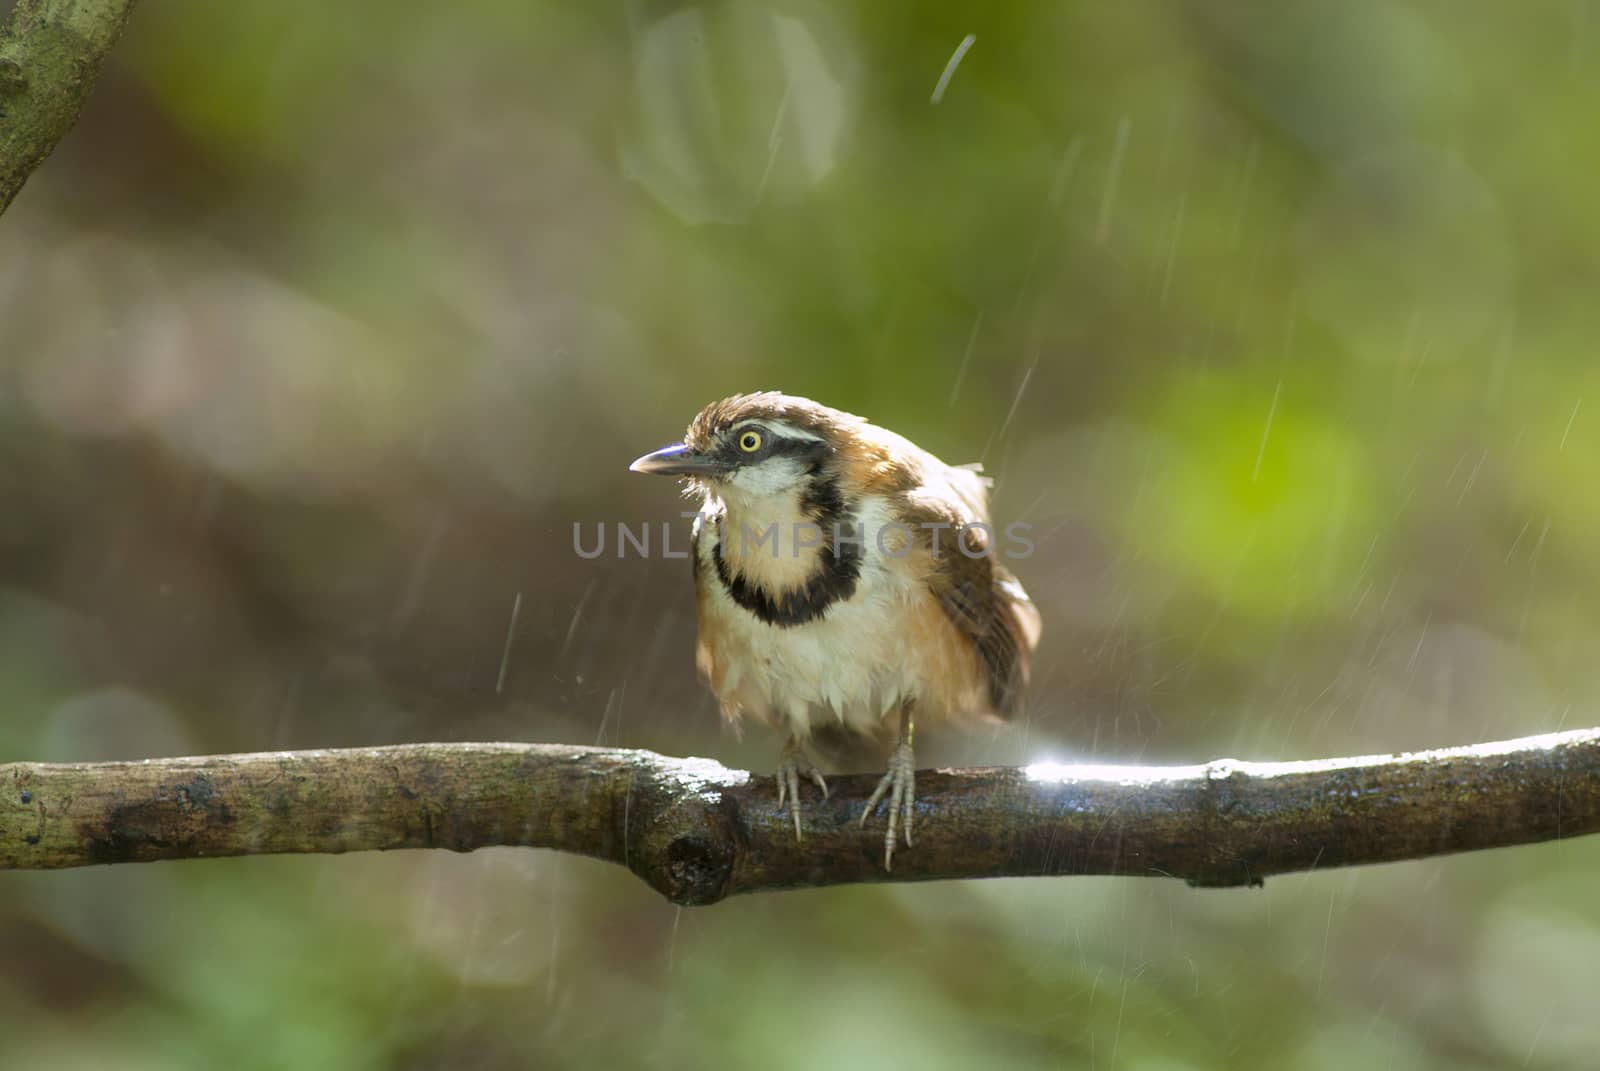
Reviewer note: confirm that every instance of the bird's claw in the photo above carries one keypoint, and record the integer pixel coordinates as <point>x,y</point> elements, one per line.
<point>900,783</point>
<point>793,764</point>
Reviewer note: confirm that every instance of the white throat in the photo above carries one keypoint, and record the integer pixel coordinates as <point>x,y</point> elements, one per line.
<point>767,536</point>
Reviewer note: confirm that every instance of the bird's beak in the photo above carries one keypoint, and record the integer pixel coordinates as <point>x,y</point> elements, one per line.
<point>678,460</point>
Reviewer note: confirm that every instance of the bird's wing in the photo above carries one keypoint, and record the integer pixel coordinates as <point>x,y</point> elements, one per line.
<point>977,593</point>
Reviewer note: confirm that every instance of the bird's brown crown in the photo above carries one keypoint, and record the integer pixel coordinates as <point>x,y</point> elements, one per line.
<point>802,413</point>
<point>870,458</point>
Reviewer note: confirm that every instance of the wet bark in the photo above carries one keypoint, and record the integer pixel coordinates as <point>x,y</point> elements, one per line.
<point>50,55</point>
<point>698,832</point>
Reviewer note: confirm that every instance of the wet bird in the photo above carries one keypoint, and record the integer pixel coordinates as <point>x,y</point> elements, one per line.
<point>846,579</point>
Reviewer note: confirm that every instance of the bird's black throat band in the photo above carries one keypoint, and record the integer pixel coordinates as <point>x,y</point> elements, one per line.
<point>838,563</point>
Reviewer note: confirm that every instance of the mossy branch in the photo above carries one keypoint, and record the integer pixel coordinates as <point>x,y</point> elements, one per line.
<point>698,832</point>
<point>50,55</point>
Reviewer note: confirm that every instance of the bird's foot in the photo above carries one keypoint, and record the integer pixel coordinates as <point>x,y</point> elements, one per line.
<point>900,783</point>
<point>793,765</point>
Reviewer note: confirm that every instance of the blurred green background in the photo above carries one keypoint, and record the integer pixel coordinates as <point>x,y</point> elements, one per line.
<point>1277,322</point>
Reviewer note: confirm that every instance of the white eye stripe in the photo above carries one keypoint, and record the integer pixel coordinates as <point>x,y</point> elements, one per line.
<point>786,431</point>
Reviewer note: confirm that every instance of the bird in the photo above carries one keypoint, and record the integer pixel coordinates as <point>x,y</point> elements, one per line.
<point>847,581</point>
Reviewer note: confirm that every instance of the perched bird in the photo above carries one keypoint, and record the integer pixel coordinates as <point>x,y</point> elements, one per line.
<point>845,577</point>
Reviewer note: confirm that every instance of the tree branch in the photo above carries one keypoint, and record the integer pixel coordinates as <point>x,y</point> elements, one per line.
<point>50,56</point>
<point>697,831</point>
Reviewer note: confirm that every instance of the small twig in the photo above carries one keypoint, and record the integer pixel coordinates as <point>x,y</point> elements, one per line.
<point>50,55</point>
<point>698,832</point>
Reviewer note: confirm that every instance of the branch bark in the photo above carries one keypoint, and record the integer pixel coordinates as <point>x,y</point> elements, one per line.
<point>50,55</point>
<point>698,832</point>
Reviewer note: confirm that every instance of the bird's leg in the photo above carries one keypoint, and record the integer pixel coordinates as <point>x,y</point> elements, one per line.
<point>794,763</point>
<point>900,782</point>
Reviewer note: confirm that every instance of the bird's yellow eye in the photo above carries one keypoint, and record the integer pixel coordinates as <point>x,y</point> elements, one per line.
<point>750,442</point>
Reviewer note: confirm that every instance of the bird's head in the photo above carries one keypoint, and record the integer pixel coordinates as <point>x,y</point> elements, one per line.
<point>756,446</point>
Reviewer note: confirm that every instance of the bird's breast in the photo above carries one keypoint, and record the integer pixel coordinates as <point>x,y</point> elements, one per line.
<point>873,643</point>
